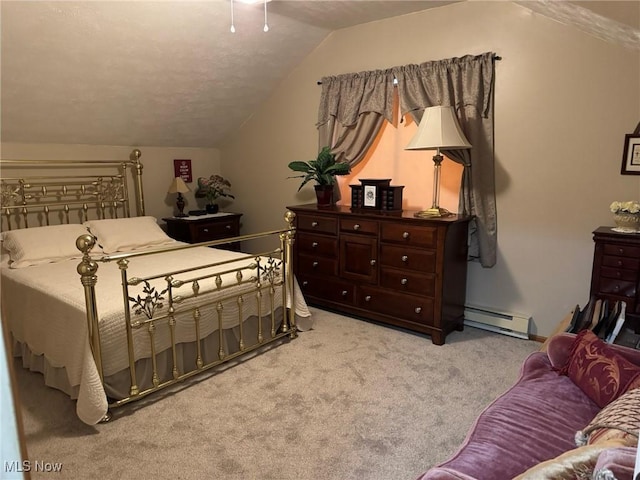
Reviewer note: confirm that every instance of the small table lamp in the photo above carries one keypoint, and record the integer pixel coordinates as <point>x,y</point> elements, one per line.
<point>178,186</point>
<point>438,129</point>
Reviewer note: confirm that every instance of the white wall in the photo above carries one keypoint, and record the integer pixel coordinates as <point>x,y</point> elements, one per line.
<point>158,171</point>
<point>564,101</point>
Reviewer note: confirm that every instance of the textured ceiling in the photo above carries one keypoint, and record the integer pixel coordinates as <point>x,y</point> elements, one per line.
<point>165,73</point>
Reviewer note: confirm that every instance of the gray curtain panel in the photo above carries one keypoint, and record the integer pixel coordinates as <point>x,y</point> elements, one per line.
<point>353,108</point>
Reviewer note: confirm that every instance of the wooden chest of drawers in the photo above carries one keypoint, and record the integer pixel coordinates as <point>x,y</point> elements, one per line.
<point>205,228</point>
<point>388,267</point>
<point>616,270</point>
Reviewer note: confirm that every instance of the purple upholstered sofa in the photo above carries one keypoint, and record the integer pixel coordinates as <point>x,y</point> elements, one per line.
<point>534,421</point>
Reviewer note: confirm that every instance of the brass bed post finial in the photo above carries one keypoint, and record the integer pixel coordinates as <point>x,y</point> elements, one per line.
<point>87,269</point>
<point>135,158</point>
<point>288,239</point>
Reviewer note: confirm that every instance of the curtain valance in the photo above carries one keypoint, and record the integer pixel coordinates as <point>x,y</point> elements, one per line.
<point>346,97</point>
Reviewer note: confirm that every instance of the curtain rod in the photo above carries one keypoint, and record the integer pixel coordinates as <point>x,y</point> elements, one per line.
<point>495,59</point>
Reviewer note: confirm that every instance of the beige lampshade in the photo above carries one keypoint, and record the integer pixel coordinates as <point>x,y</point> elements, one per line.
<point>438,128</point>
<point>178,186</point>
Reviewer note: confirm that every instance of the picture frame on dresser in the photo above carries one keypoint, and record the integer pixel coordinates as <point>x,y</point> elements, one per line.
<point>631,155</point>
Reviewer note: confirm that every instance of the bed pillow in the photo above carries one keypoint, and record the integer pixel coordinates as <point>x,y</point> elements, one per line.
<point>601,373</point>
<point>38,245</point>
<point>128,234</point>
<point>618,420</point>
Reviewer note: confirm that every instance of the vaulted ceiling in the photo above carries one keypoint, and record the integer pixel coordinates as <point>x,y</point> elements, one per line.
<point>167,73</point>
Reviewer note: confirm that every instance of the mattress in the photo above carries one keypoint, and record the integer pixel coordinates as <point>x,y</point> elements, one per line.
<point>44,306</point>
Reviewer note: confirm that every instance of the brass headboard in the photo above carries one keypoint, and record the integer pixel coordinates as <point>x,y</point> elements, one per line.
<point>51,192</point>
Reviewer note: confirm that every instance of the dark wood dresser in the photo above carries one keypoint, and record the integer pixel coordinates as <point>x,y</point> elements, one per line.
<point>616,270</point>
<point>205,228</point>
<point>388,267</point>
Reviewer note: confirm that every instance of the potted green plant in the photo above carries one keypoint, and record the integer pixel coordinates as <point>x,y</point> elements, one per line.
<point>212,188</point>
<point>323,170</point>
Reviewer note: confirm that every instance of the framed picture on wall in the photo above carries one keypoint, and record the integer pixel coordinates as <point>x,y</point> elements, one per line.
<point>631,155</point>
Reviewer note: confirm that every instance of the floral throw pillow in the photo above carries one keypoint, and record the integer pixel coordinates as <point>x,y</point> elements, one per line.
<point>601,373</point>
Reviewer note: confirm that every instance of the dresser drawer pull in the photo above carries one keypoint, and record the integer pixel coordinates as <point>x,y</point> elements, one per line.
<point>621,251</point>
<point>228,227</point>
<point>404,281</point>
<point>404,258</point>
<point>344,293</point>
<point>367,298</point>
<point>616,288</point>
<point>314,245</point>
<point>305,283</point>
<point>418,309</point>
<point>356,226</point>
<point>405,235</point>
<point>314,264</point>
<point>314,224</point>
<point>620,263</point>
<point>372,262</point>
<point>205,230</point>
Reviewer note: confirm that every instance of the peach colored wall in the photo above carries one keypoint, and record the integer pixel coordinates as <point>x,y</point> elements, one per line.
<point>564,101</point>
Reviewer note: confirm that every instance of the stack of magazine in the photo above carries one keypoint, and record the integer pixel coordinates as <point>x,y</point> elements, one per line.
<point>604,318</point>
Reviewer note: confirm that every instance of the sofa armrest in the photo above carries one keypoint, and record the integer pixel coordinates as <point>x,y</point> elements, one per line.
<point>559,347</point>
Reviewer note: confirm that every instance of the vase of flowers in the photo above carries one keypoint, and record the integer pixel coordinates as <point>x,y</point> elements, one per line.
<point>626,215</point>
<point>213,188</point>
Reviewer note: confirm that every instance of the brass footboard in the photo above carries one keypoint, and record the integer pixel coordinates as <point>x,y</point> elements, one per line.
<point>156,302</point>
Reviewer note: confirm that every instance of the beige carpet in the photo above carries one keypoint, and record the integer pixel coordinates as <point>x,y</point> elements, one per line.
<point>349,399</point>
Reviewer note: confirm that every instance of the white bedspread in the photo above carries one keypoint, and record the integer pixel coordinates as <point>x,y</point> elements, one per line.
<point>45,309</point>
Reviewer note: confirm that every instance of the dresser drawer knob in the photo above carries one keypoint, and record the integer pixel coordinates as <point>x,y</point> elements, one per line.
<point>228,227</point>
<point>314,224</point>
<point>314,245</point>
<point>618,274</point>
<point>404,258</point>
<point>205,230</point>
<point>356,226</point>
<point>344,293</point>
<point>404,281</point>
<point>367,298</point>
<point>305,283</point>
<point>418,309</point>
<point>620,263</point>
<point>616,288</point>
<point>621,251</point>
<point>314,264</point>
<point>405,235</point>
<point>372,262</point>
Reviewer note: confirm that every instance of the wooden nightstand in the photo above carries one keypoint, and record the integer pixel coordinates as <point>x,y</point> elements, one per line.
<point>205,228</point>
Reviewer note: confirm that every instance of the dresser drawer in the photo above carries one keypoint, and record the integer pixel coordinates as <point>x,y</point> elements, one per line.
<point>350,225</point>
<point>317,244</point>
<point>317,223</point>
<point>618,273</point>
<point>317,264</point>
<point>409,282</point>
<point>408,307</point>
<point>214,231</point>
<point>621,262</point>
<point>408,258</point>
<point>418,236</point>
<point>617,287</point>
<point>622,250</point>
<point>325,288</point>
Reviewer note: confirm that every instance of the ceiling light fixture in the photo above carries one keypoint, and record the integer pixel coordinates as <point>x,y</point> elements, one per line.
<point>251,2</point>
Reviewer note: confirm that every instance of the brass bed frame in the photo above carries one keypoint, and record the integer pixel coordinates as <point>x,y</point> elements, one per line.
<point>40,196</point>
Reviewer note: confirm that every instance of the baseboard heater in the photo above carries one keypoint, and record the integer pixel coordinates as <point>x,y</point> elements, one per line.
<point>513,324</point>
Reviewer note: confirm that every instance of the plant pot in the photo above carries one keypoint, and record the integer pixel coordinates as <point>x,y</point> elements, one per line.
<point>324,195</point>
<point>627,222</point>
<point>211,208</point>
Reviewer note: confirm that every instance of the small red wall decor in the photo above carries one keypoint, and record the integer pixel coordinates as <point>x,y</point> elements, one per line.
<point>182,169</point>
